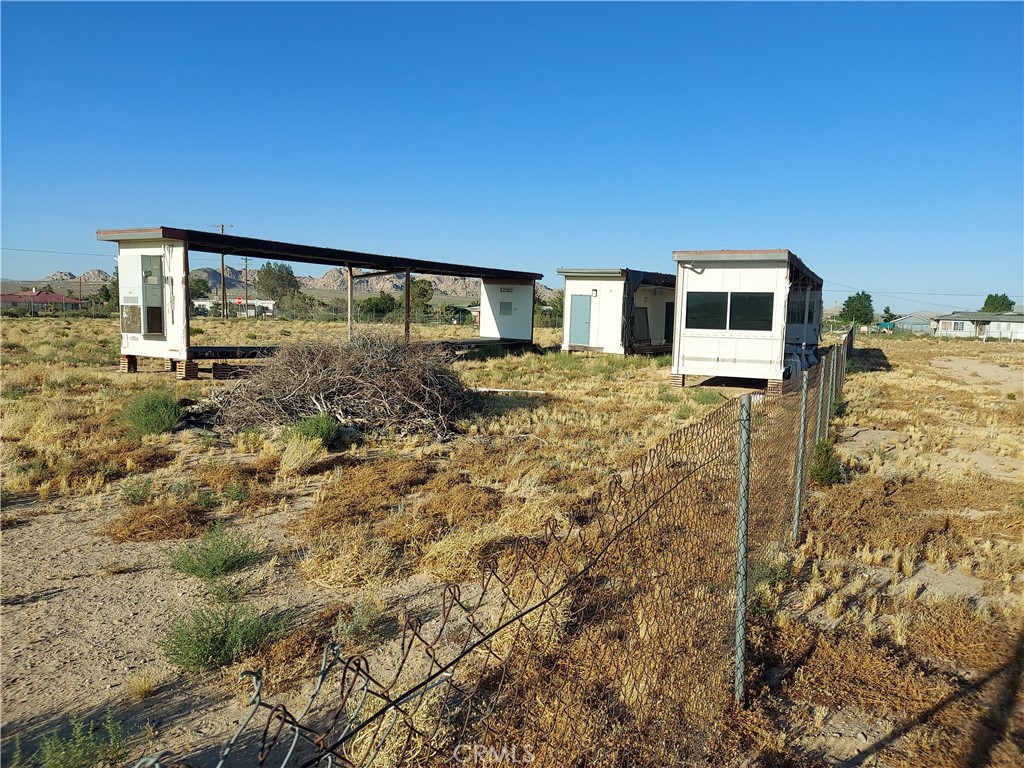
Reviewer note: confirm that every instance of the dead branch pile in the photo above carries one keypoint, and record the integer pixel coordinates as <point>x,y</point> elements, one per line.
<point>374,383</point>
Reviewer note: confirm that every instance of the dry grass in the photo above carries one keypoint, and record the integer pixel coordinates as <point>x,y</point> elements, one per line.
<point>159,520</point>
<point>295,658</point>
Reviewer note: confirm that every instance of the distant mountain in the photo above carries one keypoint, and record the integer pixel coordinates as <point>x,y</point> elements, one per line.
<point>95,276</point>
<point>233,278</point>
<point>334,280</point>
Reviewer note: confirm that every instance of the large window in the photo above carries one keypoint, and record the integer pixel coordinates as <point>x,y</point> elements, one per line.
<point>706,309</point>
<point>720,310</point>
<point>751,311</point>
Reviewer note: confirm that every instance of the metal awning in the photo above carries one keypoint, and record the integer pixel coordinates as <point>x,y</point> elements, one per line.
<point>234,245</point>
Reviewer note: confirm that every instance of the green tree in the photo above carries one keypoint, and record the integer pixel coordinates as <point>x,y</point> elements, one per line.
<point>115,290</point>
<point>275,281</point>
<point>420,293</point>
<point>384,304</point>
<point>857,309</point>
<point>997,302</point>
<point>199,287</point>
<point>48,288</point>
<point>888,315</point>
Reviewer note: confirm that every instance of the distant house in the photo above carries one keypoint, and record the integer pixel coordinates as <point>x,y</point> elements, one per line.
<point>981,325</point>
<point>913,324</point>
<point>35,301</point>
<point>253,308</point>
<point>618,311</point>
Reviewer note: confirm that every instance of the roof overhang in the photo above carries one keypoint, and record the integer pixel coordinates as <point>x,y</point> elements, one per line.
<point>646,278</point>
<point>775,255</point>
<point>234,245</point>
<point>585,272</point>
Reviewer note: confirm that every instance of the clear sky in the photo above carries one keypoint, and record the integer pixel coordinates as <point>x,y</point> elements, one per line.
<point>881,142</point>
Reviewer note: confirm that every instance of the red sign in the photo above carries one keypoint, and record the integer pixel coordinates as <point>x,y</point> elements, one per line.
<point>238,301</point>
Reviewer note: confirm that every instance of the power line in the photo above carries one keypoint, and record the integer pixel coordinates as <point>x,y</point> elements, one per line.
<point>61,253</point>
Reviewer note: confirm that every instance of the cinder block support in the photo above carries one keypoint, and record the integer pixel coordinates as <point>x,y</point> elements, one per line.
<point>170,365</point>
<point>188,369</point>
<point>129,364</point>
<point>677,380</point>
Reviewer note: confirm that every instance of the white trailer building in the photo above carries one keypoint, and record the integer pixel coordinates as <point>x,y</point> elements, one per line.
<point>154,291</point>
<point>618,311</point>
<point>745,314</point>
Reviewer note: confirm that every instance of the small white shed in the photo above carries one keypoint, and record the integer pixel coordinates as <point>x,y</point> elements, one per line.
<point>619,311</point>
<point>745,314</point>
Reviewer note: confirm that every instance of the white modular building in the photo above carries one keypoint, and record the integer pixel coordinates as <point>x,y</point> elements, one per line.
<point>153,267</point>
<point>745,314</point>
<point>618,311</point>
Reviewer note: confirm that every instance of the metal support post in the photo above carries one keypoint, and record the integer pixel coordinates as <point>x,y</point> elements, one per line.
<point>348,300</point>
<point>821,399</point>
<point>741,550</point>
<point>831,390</point>
<point>407,306</point>
<point>801,439</point>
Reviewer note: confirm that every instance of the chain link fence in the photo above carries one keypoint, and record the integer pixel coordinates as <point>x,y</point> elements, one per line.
<point>617,639</point>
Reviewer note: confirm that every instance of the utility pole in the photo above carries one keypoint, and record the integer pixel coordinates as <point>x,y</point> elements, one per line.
<point>223,284</point>
<point>246,287</point>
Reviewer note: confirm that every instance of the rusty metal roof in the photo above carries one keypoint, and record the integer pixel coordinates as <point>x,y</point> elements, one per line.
<point>235,245</point>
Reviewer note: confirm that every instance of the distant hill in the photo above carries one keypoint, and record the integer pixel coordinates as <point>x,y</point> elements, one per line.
<point>95,276</point>
<point>332,280</point>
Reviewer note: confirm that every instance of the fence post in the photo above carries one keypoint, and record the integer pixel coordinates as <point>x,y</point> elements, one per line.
<point>821,398</point>
<point>741,550</point>
<point>831,389</point>
<point>801,439</point>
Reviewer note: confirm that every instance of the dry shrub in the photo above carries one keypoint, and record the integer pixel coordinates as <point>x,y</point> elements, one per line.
<point>955,632</point>
<point>160,520</point>
<point>460,554</point>
<point>364,491</point>
<point>844,671</point>
<point>375,383</point>
<point>296,657</point>
<point>898,512</point>
<point>347,558</point>
<point>301,455</point>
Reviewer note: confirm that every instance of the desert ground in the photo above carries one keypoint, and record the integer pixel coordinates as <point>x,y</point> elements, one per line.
<point>896,639</point>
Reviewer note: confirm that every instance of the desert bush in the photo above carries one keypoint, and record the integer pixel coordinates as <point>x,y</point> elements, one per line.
<point>703,396</point>
<point>218,552</point>
<point>159,520</point>
<point>300,455</point>
<point>87,746</point>
<point>825,467</point>
<point>136,489</point>
<point>212,637</point>
<point>357,625</point>
<point>324,428</point>
<point>374,383</point>
<point>153,412</point>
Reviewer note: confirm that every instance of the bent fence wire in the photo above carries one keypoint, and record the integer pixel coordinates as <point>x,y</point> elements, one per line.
<point>611,641</point>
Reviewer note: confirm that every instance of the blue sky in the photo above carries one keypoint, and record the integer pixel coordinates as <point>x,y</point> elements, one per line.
<point>881,142</point>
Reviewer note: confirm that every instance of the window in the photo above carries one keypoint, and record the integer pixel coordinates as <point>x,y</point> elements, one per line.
<point>719,310</point>
<point>751,312</point>
<point>707,309</point>
<point>505,308</point>
<point>958,325</point>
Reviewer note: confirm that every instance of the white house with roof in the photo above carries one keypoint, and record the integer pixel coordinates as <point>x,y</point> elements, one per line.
<point>749,314</point>
<point>981,325</point>
<point>618,311</point>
